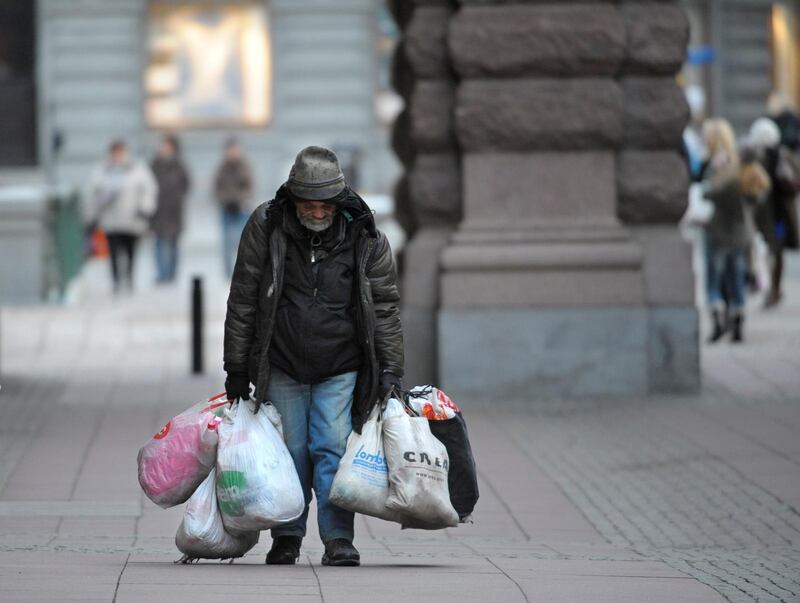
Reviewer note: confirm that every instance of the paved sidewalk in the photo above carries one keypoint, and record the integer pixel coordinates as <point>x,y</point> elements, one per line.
<point>663,500</point>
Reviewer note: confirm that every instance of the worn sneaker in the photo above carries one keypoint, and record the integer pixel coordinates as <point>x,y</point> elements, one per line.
<point>340,551</point>
<point>285,550</point>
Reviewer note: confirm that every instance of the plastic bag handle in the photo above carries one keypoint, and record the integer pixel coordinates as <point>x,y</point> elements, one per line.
<point>398,394</point>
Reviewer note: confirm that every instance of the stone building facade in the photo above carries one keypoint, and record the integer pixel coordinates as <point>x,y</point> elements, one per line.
<point>92,61</point>
<point>543,184</point>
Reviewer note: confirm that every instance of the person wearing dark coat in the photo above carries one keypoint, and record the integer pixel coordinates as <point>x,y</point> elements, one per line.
<point>233,188</point>
<point>313,322</point>
<point>735,192</point>
<point>167,222</point>
<point>777,218</point>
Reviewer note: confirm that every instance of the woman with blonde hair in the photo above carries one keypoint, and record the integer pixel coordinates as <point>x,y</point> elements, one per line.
<point>735,185</point>
<point>720,144</point>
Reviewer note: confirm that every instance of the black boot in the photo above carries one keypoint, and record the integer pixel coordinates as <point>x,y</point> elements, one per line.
<point>285,550</point>
<point>340,551</point>
<point>737,323</point>
<point>718,325</point>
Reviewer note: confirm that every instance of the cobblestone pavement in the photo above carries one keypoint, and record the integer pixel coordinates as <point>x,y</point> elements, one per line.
<point>675,499</point>
<point>648,487</point>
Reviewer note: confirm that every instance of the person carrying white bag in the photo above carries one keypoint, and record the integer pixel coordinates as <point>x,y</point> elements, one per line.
<point>202,535</point>
<point>313,321</point>
<point>257,484</point>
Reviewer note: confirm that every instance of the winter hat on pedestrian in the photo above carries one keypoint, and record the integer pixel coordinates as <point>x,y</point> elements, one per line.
<point>764,134</point>
<point>316,175</point>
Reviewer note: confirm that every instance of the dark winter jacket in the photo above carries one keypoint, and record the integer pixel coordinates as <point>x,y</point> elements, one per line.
<point>779,207</point>
<point>257,284</point>
<point>233,184</point>
<point>731,224</point>
<point>315,330</point>
<point>173,185</point>
<point>788,123</point>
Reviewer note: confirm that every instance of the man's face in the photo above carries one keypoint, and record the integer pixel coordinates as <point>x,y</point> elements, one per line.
<point>119,155</point>
<point>167,151</point>
<point>233,152</point>
<point>315,215</point>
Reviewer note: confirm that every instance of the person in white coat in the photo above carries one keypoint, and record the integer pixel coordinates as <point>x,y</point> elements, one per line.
<point>120,199</point>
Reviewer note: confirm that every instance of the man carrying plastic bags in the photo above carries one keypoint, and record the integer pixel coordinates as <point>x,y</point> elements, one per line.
<point>313,322</point>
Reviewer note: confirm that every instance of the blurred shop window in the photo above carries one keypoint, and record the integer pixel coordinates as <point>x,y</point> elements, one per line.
<point>388,103</point>
<point>784,51</point>
<point>17,84</point>
<point>209,65</point>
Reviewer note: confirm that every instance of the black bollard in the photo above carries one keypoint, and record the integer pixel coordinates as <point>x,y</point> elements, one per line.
<point>197,325</point>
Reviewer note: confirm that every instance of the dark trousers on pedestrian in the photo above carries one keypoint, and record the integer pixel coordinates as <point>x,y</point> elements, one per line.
<point>122,247</point>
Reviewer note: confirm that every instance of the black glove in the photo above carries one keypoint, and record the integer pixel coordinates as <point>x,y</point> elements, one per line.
<point>237,386</point>
<point>388,380</point>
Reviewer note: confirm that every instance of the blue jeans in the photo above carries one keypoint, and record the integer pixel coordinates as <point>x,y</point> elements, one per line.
<point>233,221</point>
<point>166,259</point>
<point>316,424</point>
<point>729,270</point>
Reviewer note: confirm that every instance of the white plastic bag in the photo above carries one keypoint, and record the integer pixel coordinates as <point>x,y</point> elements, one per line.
<point>432,403</point>
<point>361,483</point>
<point>176,460</point>
<point>201,534</point>
<point>759,262</point>
<point>257,484</point>
<point>418,464</point>
<point>699,210</point>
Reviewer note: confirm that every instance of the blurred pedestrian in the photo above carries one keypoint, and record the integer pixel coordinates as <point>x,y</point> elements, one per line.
<point>778,139</point>
<point>693,146</point>
<point>233,189</point>
<point>173,185</point>
<point>780,110</point>
<point>719,144</point>
<point>121,197</point>
<point>735,187</point>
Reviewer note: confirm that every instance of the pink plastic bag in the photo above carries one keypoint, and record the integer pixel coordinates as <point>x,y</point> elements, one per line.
<point>181,455</point>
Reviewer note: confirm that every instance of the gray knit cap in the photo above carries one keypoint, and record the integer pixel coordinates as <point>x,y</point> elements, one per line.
<point>316,175</point>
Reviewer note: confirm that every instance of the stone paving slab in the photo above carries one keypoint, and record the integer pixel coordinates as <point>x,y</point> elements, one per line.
<point>55,576</point>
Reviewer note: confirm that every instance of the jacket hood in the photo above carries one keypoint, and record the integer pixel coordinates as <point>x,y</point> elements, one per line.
<point>353,206</point>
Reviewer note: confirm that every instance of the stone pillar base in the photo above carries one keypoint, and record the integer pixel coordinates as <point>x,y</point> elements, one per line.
<point>420,292</point>
<point>530,354</point>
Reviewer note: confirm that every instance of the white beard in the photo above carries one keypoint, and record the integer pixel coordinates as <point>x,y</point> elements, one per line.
<point>315,225</point>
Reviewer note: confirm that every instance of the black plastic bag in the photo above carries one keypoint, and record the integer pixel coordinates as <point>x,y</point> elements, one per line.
<point>462,477</point>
